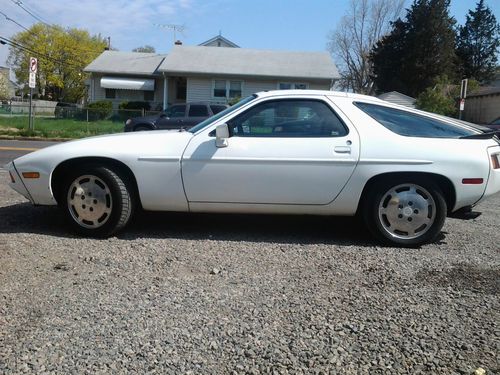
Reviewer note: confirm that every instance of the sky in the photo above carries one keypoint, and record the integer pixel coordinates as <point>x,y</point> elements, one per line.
<point>294,25</point>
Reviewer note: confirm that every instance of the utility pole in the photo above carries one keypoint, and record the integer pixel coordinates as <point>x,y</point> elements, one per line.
<point>174,28</point>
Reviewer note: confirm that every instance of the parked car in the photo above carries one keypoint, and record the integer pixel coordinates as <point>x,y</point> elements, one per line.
<point>278,152</point>
<point>175,117</point>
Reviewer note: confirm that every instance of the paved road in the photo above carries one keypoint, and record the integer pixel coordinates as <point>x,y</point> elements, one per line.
<point>11,149</point>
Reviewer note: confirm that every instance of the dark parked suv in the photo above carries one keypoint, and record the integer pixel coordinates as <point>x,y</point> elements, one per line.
<point>175,117</point>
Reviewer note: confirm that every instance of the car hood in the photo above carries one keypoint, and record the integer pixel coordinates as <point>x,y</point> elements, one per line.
<point>125,147</point>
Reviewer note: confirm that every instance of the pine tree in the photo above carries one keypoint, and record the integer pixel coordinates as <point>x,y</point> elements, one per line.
<point>478,42</point>
<point>418,50</point>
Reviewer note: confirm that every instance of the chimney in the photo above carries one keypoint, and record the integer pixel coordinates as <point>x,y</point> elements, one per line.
<point>178,43</point>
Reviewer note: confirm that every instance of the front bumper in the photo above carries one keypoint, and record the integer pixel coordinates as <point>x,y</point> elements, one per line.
<point>16,182</point>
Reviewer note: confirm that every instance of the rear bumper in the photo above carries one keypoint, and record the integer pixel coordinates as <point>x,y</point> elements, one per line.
<point>493,185</point>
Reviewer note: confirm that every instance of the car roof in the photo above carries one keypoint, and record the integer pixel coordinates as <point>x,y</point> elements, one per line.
<point>199,103</point>
<point>330,93</point>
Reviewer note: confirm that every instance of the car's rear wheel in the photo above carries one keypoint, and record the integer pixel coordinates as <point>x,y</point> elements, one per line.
<point>405,213</point>
<point>142,128</point>
<point>97,201</point>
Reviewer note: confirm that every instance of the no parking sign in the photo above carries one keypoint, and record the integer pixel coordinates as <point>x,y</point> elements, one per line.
<point>33,67</point>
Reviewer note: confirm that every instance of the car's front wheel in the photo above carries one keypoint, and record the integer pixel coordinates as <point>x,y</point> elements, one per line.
<point>405,213</point>
<point>97,201</point>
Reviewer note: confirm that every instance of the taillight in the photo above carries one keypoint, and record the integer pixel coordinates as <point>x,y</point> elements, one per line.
<point>12,179</point>
<point>495,161</point>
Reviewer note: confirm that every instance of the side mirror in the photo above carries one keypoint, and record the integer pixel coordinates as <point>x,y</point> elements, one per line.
<point>221,135</point>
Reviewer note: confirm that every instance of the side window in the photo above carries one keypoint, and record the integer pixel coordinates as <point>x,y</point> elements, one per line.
<point>198,111</point>
<point>176,111</point>
<point>288,118</point>
<point>217,108</point>
<point>411,124</point>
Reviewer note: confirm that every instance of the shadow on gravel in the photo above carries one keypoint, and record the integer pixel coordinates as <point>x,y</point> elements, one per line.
<point>24,218</point>
<point>463,277</point>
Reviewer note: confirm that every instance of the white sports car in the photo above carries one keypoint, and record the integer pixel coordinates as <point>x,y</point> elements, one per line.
<point>280,152</point>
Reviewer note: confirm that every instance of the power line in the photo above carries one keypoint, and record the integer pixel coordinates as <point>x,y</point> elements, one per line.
<point>42,56</point>
<point>11,20</point>
<point>19,3</point>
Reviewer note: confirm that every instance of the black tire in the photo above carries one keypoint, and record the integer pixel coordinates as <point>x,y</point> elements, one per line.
<point>405,212</point>
<point>141,128</point>
<point>97,201</point>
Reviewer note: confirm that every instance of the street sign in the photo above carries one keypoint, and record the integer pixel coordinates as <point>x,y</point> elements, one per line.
<point>32,80</point>
<point>33,64</point>
<point>463,89</point>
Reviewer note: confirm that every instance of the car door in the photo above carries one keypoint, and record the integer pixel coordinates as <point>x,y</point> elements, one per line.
<point>173,117</point>
<point>285,151</point>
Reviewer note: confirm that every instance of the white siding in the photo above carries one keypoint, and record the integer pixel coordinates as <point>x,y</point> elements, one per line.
<point>99,93</point>
<point>251,87</point>
<point>201,89</point>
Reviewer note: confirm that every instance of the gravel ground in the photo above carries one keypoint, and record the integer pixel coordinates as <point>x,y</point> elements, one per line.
<point>209,294</point>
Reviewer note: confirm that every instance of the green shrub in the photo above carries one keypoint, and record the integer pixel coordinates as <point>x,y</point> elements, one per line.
<point>100,110</point>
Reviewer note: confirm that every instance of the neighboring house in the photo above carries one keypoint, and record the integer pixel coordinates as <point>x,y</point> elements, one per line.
<point>12,85</point>
<point>398,98</point>
<point>483,105</point>
<point>204,73</point>
<point>219,41</point>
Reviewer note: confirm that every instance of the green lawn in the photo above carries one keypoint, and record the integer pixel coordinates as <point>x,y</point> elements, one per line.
<point>50,127</point>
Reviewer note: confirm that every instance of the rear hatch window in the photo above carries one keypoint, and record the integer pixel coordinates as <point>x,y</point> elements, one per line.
<point>412,124</point>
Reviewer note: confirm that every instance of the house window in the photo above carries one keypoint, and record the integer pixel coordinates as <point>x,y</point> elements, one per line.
<point>292,86</point>
<point>219,89</point>
<point>110,93</point>
<point>149,96</point>
<point>235,89</point>
<point>227,89</point>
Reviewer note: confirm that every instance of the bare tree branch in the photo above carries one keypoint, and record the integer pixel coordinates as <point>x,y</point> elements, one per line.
<point>350,43</point>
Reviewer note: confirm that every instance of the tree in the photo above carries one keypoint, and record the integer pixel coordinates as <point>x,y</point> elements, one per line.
<point>419,49</point>
<point>4,87</point>
<point>442,98</point>
<point>62,55</point>
<point>358,31</point>
<point>478,42</point>
<point>146,48</point>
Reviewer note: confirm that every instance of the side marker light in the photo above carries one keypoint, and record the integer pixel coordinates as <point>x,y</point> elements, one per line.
<point>31,175</point>
<point>472,181</point>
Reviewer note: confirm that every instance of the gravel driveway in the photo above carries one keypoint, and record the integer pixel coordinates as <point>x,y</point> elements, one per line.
<point>208,294</point>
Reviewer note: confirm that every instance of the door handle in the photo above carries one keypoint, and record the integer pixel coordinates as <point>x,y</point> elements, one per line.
<point>342,149</point>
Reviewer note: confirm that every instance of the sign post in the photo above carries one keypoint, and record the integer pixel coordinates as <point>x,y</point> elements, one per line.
<point>33,67</point>
<point>463,95</point>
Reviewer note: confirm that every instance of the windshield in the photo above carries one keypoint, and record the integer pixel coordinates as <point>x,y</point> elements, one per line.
<point>219,115</point>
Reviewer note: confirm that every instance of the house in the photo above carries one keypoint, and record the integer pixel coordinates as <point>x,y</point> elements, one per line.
<point>219,41</point>
<point>205,73</point>
<point>12,86</point>
<point>482,106</point>
<point>398,98</point>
